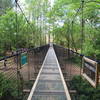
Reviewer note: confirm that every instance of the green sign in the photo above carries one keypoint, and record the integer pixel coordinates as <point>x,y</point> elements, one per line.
<point>23,58</point>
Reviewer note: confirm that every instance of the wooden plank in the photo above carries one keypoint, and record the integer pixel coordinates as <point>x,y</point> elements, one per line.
<point>89,79</point>
<point>73,91</point>
<point>64,83</point>
<point>48,87</point>
<point>89,60</point>
<point>26,90</point>
<point>93,68</point>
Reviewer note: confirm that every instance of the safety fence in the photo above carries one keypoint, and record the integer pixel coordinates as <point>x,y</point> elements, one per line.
<point>81,73</point>
<point>18,72</point>
<point>70,62</point>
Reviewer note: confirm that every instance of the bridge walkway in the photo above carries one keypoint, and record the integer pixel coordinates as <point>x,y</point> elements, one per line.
<point>50,84</point>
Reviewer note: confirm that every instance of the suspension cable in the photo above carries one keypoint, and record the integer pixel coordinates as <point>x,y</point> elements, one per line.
<point>74,16</point>
<point>24,15</point>
<point>25,18</point>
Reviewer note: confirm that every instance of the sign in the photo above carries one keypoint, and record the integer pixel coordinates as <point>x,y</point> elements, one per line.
<point>23,58</point>
<point>91,71</point>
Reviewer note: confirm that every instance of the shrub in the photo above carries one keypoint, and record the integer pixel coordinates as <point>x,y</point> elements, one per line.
<point>84,90</point>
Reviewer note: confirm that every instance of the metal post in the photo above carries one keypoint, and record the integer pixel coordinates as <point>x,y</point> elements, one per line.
<point>28,61</point>
<point>82,35</point>
<point>16,1</point>
<point>82,25</point>
<point>82,30</point>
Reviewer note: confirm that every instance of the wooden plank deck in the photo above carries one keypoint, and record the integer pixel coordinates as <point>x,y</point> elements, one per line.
<point>50,83</point>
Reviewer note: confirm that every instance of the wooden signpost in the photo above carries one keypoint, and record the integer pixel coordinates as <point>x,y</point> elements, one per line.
<point>91,71</point>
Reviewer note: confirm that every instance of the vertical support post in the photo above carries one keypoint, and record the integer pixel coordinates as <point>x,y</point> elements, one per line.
<point>68,42</point>
<point>82,35</point>
<point>45,39</point>
<point>97,74</point>
<point>16,1</point>
<point>49,38</point>
<point>72,33</point>
<point>28,61</point>
<point>82,26</point>
<point>18,73</point>
<point>82,31</point>
<point>34,63</point>
<point>19,60</point>
<point>5,65</point>
<point>73,42</point>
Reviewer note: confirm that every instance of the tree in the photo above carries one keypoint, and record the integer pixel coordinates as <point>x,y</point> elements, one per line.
<point>5,4</point>
<point>9,39</point>
<point>69,12</point>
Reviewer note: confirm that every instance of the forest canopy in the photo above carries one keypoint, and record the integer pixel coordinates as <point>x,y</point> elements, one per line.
<point>71,23</point>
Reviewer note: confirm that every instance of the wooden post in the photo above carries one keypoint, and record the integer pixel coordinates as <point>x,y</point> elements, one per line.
<point>92,66</point>
<point>97,75</point>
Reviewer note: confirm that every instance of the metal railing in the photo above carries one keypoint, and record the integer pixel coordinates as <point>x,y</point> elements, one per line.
<point>17,77</point>
<point>18,72</point>
<point>76,70</point>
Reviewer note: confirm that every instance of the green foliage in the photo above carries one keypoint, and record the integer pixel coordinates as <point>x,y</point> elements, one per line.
<point>24,38</point>
<point>70,35</point>
<point>76,60</point>
<point>8,86</point>
<point>5,4</point>
<point>84,90</point>
<point>56,21</point>
<point>8,35</point>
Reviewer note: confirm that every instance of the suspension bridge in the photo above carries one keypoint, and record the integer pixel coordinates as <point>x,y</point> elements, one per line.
<point>45,73</point>
<point>50,84</point>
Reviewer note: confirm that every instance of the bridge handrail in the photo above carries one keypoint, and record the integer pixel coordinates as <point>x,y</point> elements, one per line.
<point>81,55</point>
<point>22,51</point>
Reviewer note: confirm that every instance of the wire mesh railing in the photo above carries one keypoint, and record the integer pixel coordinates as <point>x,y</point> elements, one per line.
<point>10,77</point>
<point>76,70</point>
<point>18,72</point>
<point>70,61</point>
